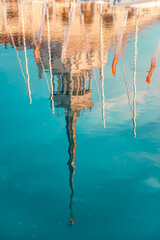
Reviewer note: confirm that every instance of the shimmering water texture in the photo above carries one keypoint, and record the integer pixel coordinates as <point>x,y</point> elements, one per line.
<point>79,120</point>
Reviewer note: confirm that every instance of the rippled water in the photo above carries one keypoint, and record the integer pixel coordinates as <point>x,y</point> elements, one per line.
<point>79,84</point>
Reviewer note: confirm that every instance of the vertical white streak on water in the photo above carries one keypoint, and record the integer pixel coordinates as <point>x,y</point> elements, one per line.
<point>25,52</point>
<point>134,75</point>
<point>50,63</point>
<point>102,71</point>
<point>12,39</point>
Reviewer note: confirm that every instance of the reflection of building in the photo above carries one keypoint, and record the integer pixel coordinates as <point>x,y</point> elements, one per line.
<point>62,18</point>
<point>74,32</point>
<point>71,91</point>
<point>73,95</point>
<point>67,39</point>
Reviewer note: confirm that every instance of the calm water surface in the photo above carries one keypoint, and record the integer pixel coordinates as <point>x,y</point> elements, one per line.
<point>79,121</point>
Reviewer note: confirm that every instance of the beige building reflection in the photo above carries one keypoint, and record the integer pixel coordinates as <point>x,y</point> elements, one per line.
<point>67,21</point>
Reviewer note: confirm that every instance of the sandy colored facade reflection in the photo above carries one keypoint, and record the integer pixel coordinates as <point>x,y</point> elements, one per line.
<point>79,41</point>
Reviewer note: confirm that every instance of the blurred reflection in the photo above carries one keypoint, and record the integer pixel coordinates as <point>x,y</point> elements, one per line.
<point>71,133</point>
<point>71,30</point>
<point>73,95</point>
<point>71,40</point>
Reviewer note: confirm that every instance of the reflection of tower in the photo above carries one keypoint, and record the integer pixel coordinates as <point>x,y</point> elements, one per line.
<point>74,94</point>
<point>72,91</point>
<point>71,134</point>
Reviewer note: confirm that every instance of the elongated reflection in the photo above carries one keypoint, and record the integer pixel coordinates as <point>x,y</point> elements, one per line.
<point>71,118</point>
<point>73,95</point>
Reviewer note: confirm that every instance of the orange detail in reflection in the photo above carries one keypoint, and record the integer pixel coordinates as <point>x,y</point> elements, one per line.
<point>153,65</point>
<point>71,221</point>
<point>114,64</point>
<point>36,52</point>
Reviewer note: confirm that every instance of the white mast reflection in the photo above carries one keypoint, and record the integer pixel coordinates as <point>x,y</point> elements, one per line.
<point>25,52</point>
<point>102,69</point>
<point>134,75</point>
<point>50,63</point>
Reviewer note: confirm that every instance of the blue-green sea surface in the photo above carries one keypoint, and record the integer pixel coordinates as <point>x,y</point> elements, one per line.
<point>110,188</point>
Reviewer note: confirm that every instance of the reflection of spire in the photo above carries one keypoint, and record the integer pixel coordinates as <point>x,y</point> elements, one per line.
<point>73,95</point>
<point>134,76</point>
<point>71,117</point>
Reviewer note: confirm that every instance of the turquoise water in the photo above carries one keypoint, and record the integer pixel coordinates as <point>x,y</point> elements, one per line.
<point>114,189</point>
